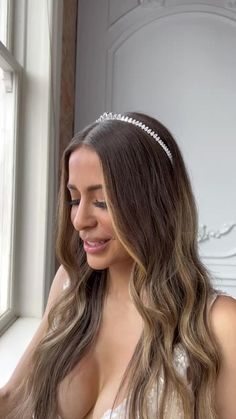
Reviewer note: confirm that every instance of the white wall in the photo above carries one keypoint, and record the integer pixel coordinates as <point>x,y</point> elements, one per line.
<point>176,60</point>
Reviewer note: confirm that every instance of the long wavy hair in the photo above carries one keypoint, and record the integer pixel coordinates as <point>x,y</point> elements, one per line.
<point>155,218</point>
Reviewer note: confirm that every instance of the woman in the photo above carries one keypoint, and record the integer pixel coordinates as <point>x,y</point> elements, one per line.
<point>133,327</point>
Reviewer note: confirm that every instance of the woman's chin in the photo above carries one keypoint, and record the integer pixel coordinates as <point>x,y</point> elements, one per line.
<point>96,265</point>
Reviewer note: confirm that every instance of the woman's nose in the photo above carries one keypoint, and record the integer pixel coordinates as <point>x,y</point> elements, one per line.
<point>82,217</point>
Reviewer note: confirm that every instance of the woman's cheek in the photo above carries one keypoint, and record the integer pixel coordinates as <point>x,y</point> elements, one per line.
<point>72,214</point>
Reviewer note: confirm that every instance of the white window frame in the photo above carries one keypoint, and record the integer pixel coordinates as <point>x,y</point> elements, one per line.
<point>36,45</point>
<point>9,21</point>
<point>12,71</point>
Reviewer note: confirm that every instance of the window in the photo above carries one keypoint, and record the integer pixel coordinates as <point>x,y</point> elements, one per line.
<point>9,92</point>
<point>6,22</point>
<point>30,62</point>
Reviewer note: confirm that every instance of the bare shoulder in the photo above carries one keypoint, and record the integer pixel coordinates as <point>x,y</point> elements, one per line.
<point>60,282</point>
<point>61,278</point>
<point>223,322</point>
<point>223,318</point>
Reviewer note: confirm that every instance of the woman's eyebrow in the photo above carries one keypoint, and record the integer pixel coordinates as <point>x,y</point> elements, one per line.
<point>88,189</point>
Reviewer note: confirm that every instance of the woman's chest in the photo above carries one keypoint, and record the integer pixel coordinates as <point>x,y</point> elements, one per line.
<point>89,390</point>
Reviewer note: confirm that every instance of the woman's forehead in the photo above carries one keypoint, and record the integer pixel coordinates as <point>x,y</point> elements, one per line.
<point>85,167</point>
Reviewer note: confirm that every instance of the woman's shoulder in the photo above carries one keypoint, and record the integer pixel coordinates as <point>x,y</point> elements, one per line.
<point>223,319</point>
<point>61,279</point>
<point>222,304</point>
<point>59,284</point>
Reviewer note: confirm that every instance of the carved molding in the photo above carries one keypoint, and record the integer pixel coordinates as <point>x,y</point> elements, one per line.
<point>214,7</point>
<point>220,256</point>
<point>118,10</point>
<point>152,2</point>
<point>224,281</point>
<point>204,234</point>
<point>231,4</point>
<point>138,24</point>
<point>198,5</point>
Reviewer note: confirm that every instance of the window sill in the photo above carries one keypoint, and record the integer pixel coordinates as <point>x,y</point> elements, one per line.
<point>13,344</point>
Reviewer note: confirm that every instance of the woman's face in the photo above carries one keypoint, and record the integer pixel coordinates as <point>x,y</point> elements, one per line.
<point>89,214</point>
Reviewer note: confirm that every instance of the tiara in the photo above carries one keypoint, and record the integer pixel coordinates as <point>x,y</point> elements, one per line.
<point>113,116</point>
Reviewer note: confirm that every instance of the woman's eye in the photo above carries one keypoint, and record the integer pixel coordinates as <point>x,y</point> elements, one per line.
<point>74,202</point>
<point>100,204</point>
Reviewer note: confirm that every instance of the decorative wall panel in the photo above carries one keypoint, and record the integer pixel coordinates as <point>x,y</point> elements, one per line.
<point>176,60</point>
<point>120,8</point>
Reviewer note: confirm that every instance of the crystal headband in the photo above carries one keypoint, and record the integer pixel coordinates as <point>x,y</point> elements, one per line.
<point>113,116</point>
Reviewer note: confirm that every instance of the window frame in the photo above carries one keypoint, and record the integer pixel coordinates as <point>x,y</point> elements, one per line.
<point>39,57</point>
<point>11,66</point>
<point>8,28</point>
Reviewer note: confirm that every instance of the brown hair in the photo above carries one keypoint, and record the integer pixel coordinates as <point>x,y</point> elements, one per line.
<point>155,218</point>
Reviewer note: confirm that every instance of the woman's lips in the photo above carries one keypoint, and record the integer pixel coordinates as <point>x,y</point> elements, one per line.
<point>95,246</point>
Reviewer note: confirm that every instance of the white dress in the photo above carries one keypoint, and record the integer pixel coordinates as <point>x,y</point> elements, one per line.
<point>181,363</point>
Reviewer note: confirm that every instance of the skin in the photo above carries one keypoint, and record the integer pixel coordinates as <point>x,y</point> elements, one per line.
<point>92,221</point>
<point>98,376</point>
<point>223,321</point>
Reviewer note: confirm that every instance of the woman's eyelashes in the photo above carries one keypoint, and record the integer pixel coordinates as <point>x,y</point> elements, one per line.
<point>96,203</point>
<point>100,204</point>
<point>73,202</point>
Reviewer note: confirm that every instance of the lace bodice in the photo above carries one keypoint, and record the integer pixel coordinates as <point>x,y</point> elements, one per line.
<point>181,363</point>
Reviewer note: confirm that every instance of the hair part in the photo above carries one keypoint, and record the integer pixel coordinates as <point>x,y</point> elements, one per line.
<point>155,219</point>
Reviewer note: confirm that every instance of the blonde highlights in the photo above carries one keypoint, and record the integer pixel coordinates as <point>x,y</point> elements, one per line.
<point>155,219</point>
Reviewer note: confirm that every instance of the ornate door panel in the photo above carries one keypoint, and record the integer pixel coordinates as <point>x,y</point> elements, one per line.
<point>175,60</point>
